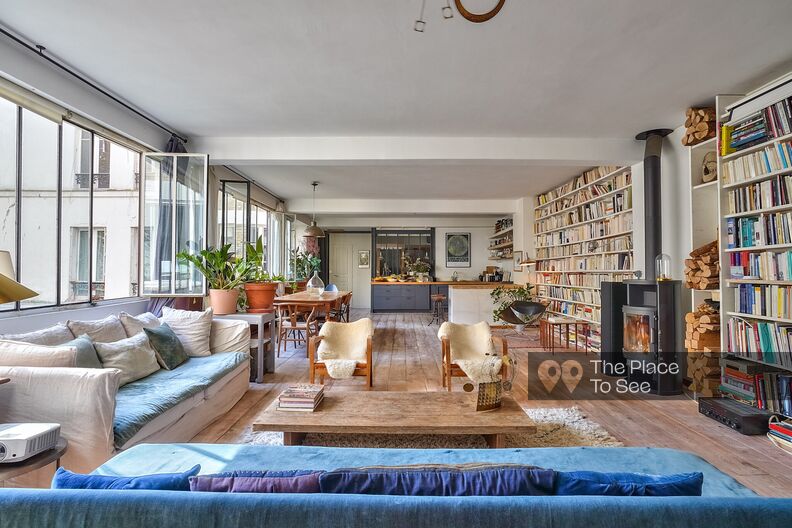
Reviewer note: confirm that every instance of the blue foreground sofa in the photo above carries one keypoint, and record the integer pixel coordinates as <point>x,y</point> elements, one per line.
<point>725,502</point>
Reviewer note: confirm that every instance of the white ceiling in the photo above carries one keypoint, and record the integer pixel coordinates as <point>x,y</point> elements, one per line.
<point>353,68</point>
<point>403,182</point>
<point>604,68</point>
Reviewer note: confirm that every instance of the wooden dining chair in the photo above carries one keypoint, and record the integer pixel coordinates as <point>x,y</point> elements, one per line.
<point>340,311</point>
<point>296,324</point>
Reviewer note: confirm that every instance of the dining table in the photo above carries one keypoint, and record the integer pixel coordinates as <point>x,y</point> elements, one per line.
<point>324,302</point>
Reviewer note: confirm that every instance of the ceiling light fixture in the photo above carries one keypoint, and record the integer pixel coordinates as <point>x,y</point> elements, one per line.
<point>314,230</point>
<point>448,13</point>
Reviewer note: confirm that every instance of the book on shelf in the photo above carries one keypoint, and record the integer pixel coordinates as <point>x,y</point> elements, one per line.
<point>584,179</point>
<point>757,164</point>
<point>767,388</point>
<point>765,229</point>
<point>582,296</point>
<point>301,397</point>
<point>774,192</point>
<point>771,122</point>
<point>617,225</point>
<point>767,300</point>
<point>581,311</point>
<point>760,341</point>
<point>761,265</point>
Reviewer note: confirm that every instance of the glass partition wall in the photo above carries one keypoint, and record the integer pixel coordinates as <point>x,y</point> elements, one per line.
<point>395,250</point>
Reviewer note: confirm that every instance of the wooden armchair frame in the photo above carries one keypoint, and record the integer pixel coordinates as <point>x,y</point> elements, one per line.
<point>318,367</point>
<point>449,369</point>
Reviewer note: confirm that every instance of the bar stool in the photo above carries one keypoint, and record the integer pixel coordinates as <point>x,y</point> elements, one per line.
<point>438,308</point>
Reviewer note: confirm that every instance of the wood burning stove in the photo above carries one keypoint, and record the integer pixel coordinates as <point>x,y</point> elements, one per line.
<point>653,326</point>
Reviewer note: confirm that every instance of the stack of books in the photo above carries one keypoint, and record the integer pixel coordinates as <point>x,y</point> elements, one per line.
<point>757,385</point>
<point>302,397</point>
<point>781,434</point>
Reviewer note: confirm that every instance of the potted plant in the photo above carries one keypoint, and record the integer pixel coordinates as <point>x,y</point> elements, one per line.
<point>304,265</point>
<point>421,270</point>
<point>260,288</point>
<point>503,297</point>
<point>224,274</point>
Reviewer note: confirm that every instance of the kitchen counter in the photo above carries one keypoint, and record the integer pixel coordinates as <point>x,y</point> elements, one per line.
<point>472,297</point>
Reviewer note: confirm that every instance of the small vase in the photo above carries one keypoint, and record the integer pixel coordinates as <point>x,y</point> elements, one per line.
<point>315,285</point>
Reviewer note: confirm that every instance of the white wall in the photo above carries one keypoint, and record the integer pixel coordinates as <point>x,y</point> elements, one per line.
<point>361,277</point>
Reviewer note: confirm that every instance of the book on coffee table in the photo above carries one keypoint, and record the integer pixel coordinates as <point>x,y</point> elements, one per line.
<point>301,397</point>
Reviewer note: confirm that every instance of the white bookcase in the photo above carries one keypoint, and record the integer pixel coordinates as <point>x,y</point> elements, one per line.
<point>583,236</point>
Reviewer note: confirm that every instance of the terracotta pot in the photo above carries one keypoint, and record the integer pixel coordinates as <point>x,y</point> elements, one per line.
<point>224,302</point>
<point>260,296</point>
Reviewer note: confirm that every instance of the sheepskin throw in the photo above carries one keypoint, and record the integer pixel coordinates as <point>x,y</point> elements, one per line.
<point>343,345</point>
<point>472,350</point>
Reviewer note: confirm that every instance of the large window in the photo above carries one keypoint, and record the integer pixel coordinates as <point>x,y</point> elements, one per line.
<point>174,220</point>
<point>69,206</point>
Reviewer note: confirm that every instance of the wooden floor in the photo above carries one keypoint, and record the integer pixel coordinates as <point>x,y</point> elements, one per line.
<point>407,358</point>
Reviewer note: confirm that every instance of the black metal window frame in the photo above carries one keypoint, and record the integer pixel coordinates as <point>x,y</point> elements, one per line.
<point>59,302</point>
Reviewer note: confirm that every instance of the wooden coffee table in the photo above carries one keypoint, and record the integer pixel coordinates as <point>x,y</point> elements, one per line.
<point>440,413</point>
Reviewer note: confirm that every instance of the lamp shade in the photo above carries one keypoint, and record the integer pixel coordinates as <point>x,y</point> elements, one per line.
<point>10,289</point>
<point>313,230</point>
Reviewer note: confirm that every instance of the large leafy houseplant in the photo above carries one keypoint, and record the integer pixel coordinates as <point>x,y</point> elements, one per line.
<point>304,264</point>
<point>224,273</point>
<point>503,297</point>
<point>261,287</point>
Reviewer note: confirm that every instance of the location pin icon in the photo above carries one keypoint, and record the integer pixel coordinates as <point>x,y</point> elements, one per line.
<point>571,374</point>
<point>549,374</point>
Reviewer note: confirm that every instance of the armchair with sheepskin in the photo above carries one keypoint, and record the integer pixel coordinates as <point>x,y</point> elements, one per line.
<point>467,351</point>
<point>342,350</point>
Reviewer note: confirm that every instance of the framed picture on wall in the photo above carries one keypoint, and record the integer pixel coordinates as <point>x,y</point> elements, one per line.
<point>364,258</point>
<point>517,255</point>
<point>457,249</point>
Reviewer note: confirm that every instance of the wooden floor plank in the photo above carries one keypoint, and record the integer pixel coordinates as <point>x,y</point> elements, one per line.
<point>407,358</point>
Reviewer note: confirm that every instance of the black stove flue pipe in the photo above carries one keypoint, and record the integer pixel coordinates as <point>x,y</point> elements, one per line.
<point>653,216</point>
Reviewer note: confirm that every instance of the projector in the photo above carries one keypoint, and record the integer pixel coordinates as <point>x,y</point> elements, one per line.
<point>20,441</point>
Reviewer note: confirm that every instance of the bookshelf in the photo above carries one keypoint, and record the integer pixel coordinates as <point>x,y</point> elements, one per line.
<point>501,242</point>
<point>583,234</point>
<point>755,219</point>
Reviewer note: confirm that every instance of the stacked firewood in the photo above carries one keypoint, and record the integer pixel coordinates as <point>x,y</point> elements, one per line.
<point>699,124</point>
<point>702,340</point>
<point>702,269</point>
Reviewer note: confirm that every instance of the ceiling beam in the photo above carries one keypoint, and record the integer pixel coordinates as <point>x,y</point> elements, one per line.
<point>340,206</point>
<point>400,149</point>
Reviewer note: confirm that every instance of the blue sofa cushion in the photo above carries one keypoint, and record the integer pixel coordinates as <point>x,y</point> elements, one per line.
<point>294,481</point>
<point>628,484</point>
<point>141,401</point>
<point>441,480</point>
<point>86,353</point>
<point>65,479</point>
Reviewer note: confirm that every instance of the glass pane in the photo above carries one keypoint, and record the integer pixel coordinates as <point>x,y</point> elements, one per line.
<point>190,219</point>
<point>115,218</point>
<point>75,213</point>
<point>38,268</point>
<point>236,232</point>
<point>8,177</point>
<point>157,222</point>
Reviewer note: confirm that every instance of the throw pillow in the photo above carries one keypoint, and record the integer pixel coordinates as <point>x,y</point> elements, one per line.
<point>53,335</point>
<point>18,354</point>
<point>107,330</point>
<point>293,481</point>
<point>134,324</point>
<point>133,356</point>
<point>166,344</point>
<point>65,479</point>
<point>86,353</point>
<point>628,484</point>
<point>192,328</point>
<point>441,480</point>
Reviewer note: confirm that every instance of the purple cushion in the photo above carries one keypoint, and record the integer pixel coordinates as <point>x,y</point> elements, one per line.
<point>294,481</point>
<point>441,480</point>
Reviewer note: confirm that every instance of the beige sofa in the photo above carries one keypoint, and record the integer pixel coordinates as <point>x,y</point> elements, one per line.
<point>84,401</point>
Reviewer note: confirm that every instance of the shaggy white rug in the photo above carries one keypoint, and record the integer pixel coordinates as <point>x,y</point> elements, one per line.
<point>556,427</point>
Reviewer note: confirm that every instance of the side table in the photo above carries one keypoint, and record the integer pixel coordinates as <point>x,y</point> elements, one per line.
<point>265,351</point>
<point>15,469</point>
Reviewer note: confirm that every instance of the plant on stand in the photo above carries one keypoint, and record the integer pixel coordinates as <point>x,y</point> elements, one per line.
<point>224,274</point>
<point>260,287</point>
<point>503,297</point>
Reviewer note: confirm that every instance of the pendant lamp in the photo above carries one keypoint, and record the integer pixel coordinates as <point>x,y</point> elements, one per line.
<point>314,230</point>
